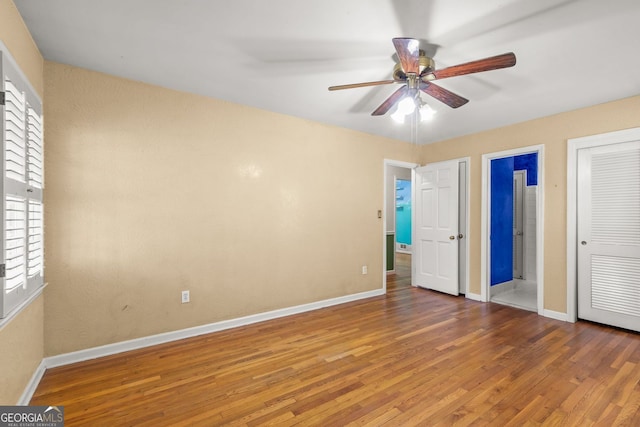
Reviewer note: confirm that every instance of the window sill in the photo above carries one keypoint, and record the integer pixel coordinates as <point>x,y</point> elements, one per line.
<point>15,312</point>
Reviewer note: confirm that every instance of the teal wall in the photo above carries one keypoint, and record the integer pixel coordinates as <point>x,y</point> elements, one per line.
<point>403,211</point>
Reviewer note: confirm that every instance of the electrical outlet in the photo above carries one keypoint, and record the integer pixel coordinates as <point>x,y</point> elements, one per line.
<point>185,297</point>
<point>365,270</point>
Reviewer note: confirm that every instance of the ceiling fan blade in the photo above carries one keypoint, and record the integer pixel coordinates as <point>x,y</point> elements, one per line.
<point>354,85</point>
<point>443,95</point>
<point>391,101</point>
<point>409,54</point>
<point>493,63</point>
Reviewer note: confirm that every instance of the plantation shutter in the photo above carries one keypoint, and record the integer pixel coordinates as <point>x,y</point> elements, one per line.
<point>22,264</point>
<point>35,181</point>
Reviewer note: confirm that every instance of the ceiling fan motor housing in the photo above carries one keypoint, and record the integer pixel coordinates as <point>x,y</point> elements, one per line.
<point>426,65</point>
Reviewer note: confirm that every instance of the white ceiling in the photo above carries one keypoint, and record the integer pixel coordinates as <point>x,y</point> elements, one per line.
<point>281,55</point>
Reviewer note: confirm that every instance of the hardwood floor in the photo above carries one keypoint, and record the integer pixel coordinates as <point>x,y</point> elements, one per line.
<point>412,357</point>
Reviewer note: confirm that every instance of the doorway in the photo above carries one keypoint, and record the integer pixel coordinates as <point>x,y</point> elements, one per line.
<point>394,263</point>
<point>512,228</point>
<point>398,177</point>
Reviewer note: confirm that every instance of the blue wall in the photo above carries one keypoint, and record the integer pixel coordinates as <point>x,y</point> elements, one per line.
<point>530,163</point>
<point>502,211</point>
<point>501,220</point>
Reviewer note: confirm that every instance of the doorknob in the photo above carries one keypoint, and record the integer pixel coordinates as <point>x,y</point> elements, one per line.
<point>460,236</point>
<point>583,243</point>
<point>452,237</point>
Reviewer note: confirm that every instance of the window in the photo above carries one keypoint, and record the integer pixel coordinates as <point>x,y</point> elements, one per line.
<point>21,216</point>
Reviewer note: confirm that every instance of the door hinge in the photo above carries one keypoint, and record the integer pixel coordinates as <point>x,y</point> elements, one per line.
<point>3,271</point>
<point>1,98</point>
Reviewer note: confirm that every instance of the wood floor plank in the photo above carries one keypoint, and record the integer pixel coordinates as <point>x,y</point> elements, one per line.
<point>410,357</point>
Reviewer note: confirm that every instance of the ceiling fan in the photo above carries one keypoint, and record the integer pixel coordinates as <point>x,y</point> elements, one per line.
<point>417,72</point>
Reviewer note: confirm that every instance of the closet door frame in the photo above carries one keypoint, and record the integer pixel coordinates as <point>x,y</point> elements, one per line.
<point>573,146</point>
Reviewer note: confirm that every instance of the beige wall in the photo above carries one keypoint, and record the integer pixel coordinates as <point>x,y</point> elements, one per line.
<point>21,352</point>
<point>553,132</point>
<point>21,341</point>
<point>16,37</point>
<point>152,191</point>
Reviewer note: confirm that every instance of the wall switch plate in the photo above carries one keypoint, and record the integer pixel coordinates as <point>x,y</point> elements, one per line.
<point>365,270</point>
<point>185,297</point>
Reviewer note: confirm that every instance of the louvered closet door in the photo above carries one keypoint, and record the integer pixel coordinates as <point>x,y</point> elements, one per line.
<point>609,234</point>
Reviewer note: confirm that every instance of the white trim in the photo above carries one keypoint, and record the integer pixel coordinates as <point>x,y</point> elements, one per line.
<point>572,232</point>
<point>119,347</point>
<point>573,145</point>
<point>474,297</point>
<point>484,239</point>
<point>467,215</point>
<point>555,315</point>
<point>413,225</point>
<point>32,385</point>
<point>485,250</point>
<point>20,308</point>
<point>401,164</point>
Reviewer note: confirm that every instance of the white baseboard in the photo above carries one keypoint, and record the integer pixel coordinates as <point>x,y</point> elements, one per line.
<point>119,347</point>
<point>474,297</point>
<point>27,394</point>
<point>555,315</point>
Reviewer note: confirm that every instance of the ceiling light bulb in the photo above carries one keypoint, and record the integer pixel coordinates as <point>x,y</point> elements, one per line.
<point>398,117</point>
<point>426,112</point>
<point>407,106</point>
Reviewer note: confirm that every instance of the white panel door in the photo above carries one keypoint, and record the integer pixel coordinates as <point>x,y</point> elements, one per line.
<point>436,227</point>
<point>609,234</point>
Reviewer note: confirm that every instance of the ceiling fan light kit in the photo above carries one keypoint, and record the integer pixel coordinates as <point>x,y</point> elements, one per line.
<point>416,72</point>
<point>409,105</point>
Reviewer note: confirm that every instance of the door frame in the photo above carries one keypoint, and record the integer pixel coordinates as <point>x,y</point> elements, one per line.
<point>485,221</point>
<point>401,164</point>
<point>573,146</point>
<point>412,166</point>
<point>467,226</point>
